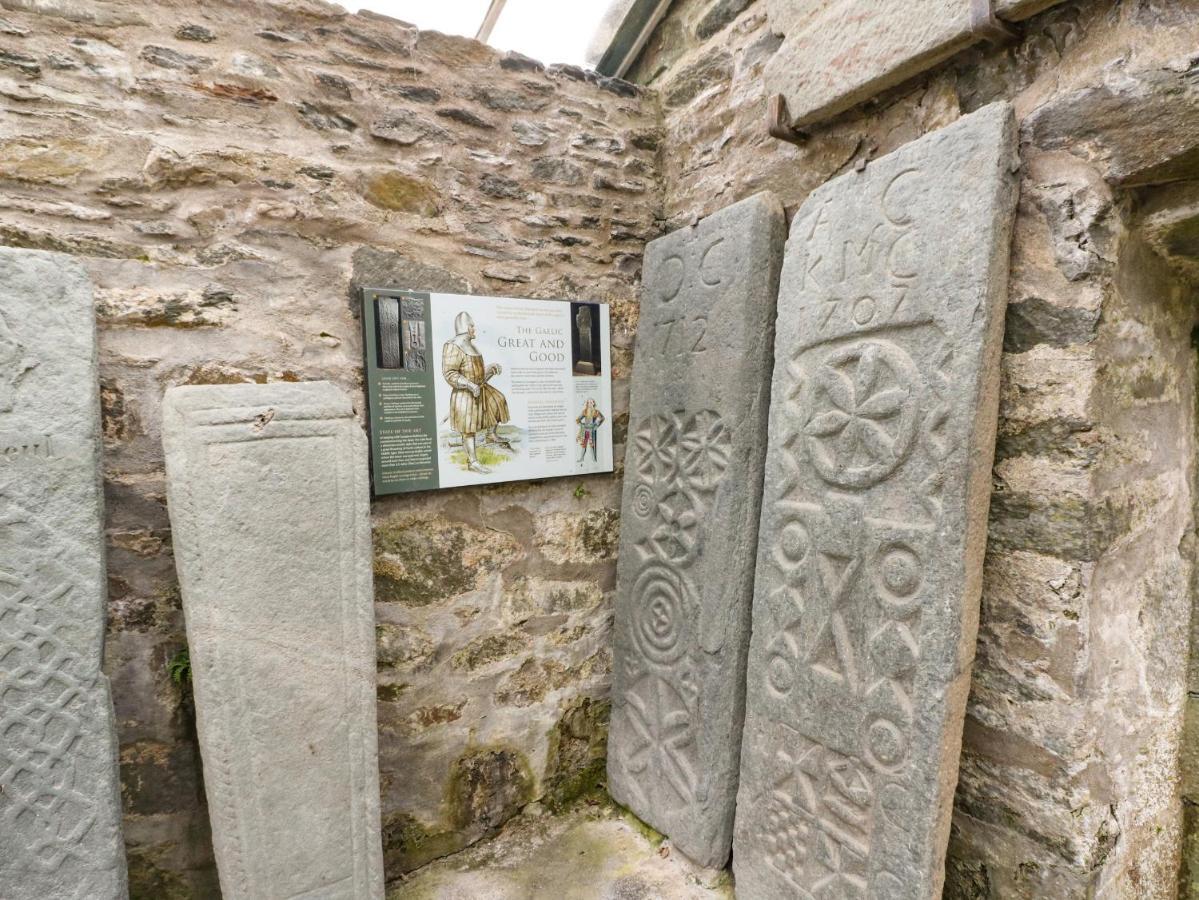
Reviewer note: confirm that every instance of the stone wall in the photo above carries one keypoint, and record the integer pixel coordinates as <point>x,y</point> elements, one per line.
<point>226,172</point>
<point>1070,768</point>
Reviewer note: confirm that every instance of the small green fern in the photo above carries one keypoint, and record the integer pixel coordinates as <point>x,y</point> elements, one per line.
<point>581,492</point>
<point>179,667</point>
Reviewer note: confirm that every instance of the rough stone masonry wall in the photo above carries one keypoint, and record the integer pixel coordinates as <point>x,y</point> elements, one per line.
<point>1069,785</point>
<point>226,171</point>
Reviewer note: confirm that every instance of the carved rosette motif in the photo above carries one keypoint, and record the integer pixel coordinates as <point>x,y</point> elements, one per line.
<point>678,463</point>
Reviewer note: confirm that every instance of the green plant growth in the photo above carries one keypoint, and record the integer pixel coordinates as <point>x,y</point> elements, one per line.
<point>581,492</point>
<point>179,667</point>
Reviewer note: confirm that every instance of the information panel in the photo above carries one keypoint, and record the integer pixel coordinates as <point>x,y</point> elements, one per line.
<point>477,390</point>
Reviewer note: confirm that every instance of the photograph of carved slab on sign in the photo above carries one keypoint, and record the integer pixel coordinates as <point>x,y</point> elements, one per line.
<point>269,503</point>
<point>878,475</point>
<point>693,468</point>
<point>839,53</point>
<point>60,803</point>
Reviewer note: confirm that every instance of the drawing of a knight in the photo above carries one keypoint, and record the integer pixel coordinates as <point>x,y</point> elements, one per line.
<point>475,406</point>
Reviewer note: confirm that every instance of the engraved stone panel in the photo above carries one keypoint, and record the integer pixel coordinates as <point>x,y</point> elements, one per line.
<point>1015,10</point>
<point>268,495</point>
<point>838,53</point>
<point>878,475</point>
<point>60,806</point>
<point>693,471</point>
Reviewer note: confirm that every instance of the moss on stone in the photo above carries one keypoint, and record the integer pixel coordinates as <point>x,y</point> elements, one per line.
<point>488,649</point>
<point>408,845</point>
<point>149,879</point>
<point>487,787</point>
<point>421,561</point>
<point>396,191</point>
<point>601,532</point>
<point>576,759</point>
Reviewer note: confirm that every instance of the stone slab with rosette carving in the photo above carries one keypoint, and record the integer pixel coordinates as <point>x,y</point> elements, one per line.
<point>874,517</point>
<point>268,496</point>
<point>693,471</point>
<point>60,804</point>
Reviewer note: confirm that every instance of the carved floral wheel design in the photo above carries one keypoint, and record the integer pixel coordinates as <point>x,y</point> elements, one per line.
<point>654,447</point>
<point>677,535</point>
<point>862,409</point>
<point>706,445</point>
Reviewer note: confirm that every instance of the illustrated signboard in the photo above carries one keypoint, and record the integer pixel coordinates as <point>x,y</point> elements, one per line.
<point>476,390</point>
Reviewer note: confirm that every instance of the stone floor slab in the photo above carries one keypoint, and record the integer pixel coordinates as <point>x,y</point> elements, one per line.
<point>693,468</point>
<point>60,805</point>
<point>268,496</point>
<point>882,433</point>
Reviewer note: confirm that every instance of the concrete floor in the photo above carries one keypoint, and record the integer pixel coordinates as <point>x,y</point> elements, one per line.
<point>593,852</point>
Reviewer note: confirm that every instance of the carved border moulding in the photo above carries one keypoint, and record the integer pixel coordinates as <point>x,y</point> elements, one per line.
<point>268,495</point>
<point>837,54</point>
<point>60,803</point>
<point>878,474</point>
<point>693,469</point>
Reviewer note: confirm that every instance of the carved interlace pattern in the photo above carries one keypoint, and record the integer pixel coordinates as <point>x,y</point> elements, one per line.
<point>43,711</point>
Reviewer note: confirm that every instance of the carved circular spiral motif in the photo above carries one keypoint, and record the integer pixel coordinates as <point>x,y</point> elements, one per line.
<point>644,502</point>
<point>886,745</point>
<point>862,404</point>
<point>899,574</point>
<point>660,623</point>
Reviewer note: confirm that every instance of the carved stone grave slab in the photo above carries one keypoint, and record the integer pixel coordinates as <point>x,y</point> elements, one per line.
<point>60,805</point>
<point>878,477</point>
<point>689,518</point>
<point>268,495</point>
<point>839,53</point>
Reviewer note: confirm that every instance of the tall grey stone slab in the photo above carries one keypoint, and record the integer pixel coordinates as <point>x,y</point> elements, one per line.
<point>60,805</point>
<point>269,504</point>
<point>693,471</point>
<point>839,53</point>
<point>878,476</point>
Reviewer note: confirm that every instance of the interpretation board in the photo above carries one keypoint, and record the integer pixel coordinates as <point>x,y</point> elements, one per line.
<point>60,801</point>
<point>689,520</point>
<point>874,518</point>
<point>468,390</point>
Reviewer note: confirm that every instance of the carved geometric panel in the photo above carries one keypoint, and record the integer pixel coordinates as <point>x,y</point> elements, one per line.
<point>270,522</point>
<point>882,429</point>
<point>689,523</point>
<point>60,807</point>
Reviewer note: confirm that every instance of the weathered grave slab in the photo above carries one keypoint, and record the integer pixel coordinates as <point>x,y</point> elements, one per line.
<point>60,806</point>
<point>689,522</point>
<point>1015,10</point>
<point>878,475</point>
<point>839,53</point>
<point>267,487</point>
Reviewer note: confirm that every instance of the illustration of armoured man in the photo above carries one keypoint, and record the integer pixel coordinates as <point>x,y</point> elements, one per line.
<point>475,406</point>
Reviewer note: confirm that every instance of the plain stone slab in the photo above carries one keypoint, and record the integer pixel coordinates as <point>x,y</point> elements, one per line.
<point>1016,10</point>
<point>878,478</point>
<point>839,53</point>
<point>60,805</point>
<point>693,469</point>
<point>268,496</point>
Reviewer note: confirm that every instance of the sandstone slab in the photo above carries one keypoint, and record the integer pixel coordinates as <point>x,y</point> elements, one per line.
<point>689,522</point>
<point>268,496</point>
<point>874,516</point>
<point>839,53</point>
<point>60,805</point>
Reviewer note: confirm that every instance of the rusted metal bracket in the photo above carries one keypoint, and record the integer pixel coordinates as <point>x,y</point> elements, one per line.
<point>778,119</point>
<point>991,29</point>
